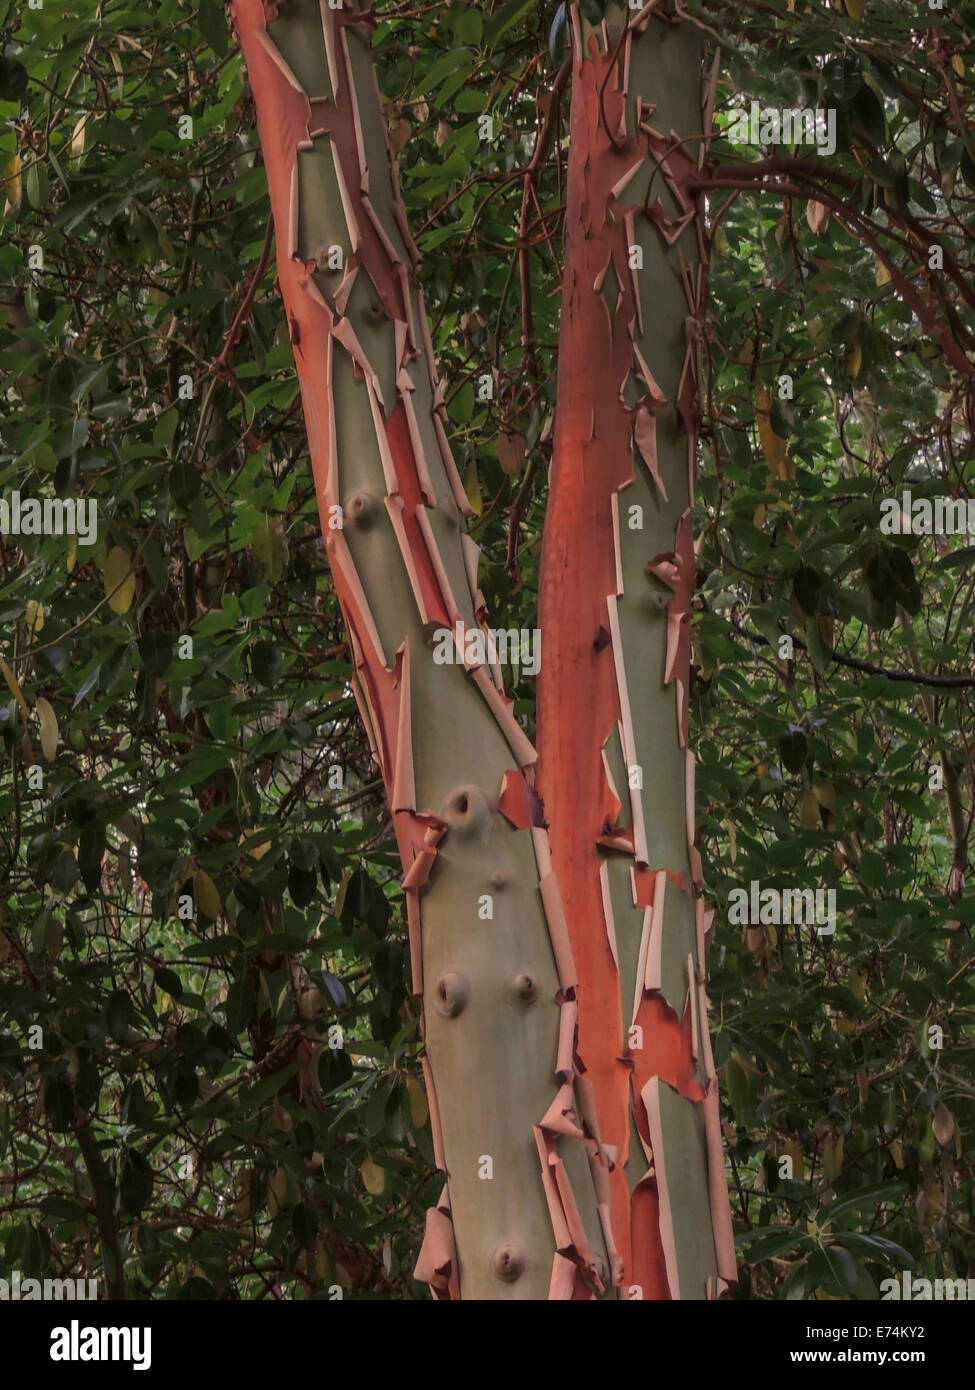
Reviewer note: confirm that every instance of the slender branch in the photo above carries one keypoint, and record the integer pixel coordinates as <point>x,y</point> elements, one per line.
<point>868,667</point>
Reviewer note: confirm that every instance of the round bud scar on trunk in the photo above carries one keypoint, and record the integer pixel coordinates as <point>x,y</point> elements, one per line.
<point>362,509</point>
<point>526,989</point>
<point>466,809</point>
<point>451,995</point>
<point>508,1263</point>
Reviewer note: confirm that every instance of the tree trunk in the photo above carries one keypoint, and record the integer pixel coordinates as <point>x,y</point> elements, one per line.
<point>618,570</point>
<point>519,1217</point>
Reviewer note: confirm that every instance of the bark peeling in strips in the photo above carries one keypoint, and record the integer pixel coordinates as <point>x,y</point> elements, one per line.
<point>520,1213</point>
<point>616,774</point>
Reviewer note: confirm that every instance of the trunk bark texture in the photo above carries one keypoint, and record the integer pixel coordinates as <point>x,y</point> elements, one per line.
<point>526,1194</point>
<point>618,574</point>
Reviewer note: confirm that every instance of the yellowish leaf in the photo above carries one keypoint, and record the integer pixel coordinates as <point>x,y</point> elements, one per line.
<point>897,1154</point>
<point>205,895</point>
<point>13,685</point>
<point>943,1124</point>
<point>511,452</point>
<point>853,361</point>
<point>48,721</point>
<point>809,811</point>
<point>72,556</point>
<point>857,984</point>
<point>119,579</point>
<point>472,487</point>
<point>419,1110</point>
<point>400,131</point>
<point>78,136</point>
<point>825,794</point>
<point>117,65</point>
<point>958,63</point>
<point>13,185</point>
<point>373,1177</point>
<point>881,274</point>
<point>255,851</point>
<point>855,8</point>
<point>817,215</point>
<point>242,1205</point>
<point>34,615</point>
<point>832,1156</point>
<point>773,445</point>
<point>277,1192</point>
<point>270,547</point>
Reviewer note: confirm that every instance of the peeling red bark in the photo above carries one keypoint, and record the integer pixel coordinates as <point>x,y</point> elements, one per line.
<point>611,411</point>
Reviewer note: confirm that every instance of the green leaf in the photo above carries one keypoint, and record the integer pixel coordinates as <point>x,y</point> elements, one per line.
<point>135,1182</point>
<point>807,586</point>
<point>37,185</point>
<point>13,78</point>
<point>59,1105</point>
<point>869,1198</point>
<point>793,750</point>
<point>766,1242</point>
<point>872,1247</point>
<point>169,981</point>
<point>118,1014</point>
<point>556,30</point>
<point>213,25</point>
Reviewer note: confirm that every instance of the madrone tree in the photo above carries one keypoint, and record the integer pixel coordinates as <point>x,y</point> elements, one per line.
<point>557,942</point>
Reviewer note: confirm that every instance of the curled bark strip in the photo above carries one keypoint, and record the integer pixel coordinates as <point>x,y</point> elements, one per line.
<point>519,801</point>
<point>437,1261</point>
<point>608,913</point>
<point>561,1117</point>
<point>404,786</point>
<point>435,1128</point>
